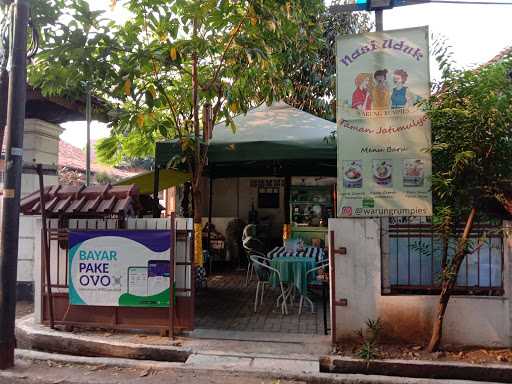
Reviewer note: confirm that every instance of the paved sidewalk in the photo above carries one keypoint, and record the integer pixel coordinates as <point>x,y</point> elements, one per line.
<point>206,359</point>
<point>32,335</point>
<point>227,304</point>
<point>24,308</point>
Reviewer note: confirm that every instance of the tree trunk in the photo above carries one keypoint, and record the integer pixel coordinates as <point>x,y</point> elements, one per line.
<point>449,282</point>
<point>198,211</point>
<point>198,228</point>
<point>437,329</point>
<point>444,259</point>
<point>197,172</point>
<point>185,200</point>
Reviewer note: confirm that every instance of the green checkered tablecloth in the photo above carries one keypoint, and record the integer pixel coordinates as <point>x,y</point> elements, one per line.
<point>316,253</point>
<point>293,270</point>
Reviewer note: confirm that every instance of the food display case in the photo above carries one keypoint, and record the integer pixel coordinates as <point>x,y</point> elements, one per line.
<point>310,207</point>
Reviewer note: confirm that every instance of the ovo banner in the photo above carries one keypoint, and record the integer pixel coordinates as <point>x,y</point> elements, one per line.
<point>120,268</point>
<point>384,168</point>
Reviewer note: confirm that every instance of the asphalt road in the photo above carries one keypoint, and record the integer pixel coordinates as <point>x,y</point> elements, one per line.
<point>29,372</point>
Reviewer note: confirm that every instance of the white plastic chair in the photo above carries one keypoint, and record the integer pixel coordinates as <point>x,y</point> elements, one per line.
<point>250,251</point>
<point>320,265</point>
<point>264,272</point>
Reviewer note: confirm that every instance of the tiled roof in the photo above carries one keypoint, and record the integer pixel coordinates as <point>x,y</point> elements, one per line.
<point>500,56</point>
<point>60,109</point>
<point>97,200</point>
<point>74,158</point>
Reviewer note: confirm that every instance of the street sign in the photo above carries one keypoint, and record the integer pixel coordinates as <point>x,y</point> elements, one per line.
<point>372,5</point>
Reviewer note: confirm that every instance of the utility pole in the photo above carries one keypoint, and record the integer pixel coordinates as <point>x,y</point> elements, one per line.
<point>9,230</point>
<point>4,88</point>
<point>4,78</point>
<point>378,6</point>
<point>374,5</point>
<point>379,20</point>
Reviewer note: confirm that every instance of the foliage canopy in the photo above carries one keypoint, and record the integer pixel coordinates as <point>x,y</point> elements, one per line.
<point>471,116</point>
<point>248,52</point>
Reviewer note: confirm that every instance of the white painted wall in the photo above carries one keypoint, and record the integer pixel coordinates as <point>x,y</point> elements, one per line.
<point>233,197</point>
<point>40,145</point>
<point>470,320</point>
<point>26,248</point>
<point>37,270</point>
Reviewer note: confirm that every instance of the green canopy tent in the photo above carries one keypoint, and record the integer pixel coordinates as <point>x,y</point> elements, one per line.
<point>167,178</point>
<point>154,182</point>
<point>276,140</point>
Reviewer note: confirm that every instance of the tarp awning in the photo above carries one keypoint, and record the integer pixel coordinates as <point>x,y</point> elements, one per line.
<point>167,178</point>
<point>267,133</point>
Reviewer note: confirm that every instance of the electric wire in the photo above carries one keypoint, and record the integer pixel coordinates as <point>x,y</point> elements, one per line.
<point>471,2</point>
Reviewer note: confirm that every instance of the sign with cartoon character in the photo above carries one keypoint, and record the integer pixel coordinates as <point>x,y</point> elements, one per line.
<point>120,268</point>
<point>384,167</point>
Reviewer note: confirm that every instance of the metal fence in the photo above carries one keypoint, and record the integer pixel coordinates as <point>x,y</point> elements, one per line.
<point>118,317</point>
<point>415,258</point>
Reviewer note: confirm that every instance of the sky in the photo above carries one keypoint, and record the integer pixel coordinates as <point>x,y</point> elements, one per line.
<point>476,33</point>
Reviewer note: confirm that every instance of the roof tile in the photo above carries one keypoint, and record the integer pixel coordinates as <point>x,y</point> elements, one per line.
<point>99,200</point>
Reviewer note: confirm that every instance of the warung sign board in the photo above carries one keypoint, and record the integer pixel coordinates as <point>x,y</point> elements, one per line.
<point>120,268</point>
<point>384,167</point>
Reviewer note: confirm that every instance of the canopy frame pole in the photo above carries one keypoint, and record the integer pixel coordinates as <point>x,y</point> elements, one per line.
<point>156,187</point>
<point>210,209</point>
<point>238,197</point>
<point>287,184</point>
<point>286,226</point>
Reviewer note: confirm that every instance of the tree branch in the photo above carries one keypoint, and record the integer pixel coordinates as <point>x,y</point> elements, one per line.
<point>234,33</point>
<point>195,108</point>
<point>157,80</point>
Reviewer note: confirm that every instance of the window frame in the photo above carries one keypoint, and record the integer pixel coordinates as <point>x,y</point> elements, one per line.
<point>388,288</point>
<point>264,195</point>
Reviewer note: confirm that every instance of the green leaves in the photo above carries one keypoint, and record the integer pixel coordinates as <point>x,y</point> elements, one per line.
<point>241,48</point>
<point>471,118</point>
<point>127,87</point>
<point>311,61</point>
<point>173,53</point>
<point>249,52</point>
<point>230,121</point>
<point>75,45</point>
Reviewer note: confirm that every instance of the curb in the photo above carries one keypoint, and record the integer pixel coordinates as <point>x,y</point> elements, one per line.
<point>52,345</point>
<point>424,369</point>
<point>264,373</point>
<point>52,341</point>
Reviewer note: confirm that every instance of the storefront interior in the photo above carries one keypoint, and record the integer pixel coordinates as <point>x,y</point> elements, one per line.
<point>226,302</point>
<point>276,173</point>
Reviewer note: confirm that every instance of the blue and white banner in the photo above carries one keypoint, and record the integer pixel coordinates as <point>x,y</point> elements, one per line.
<point>120,268</point>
